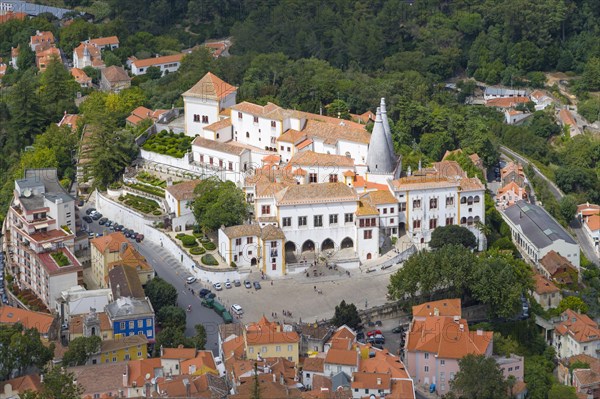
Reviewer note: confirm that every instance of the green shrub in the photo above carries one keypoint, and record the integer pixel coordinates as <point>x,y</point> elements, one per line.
<point>189,241</point>
<point>157,213</point>
<point>232,264</point>
<point>60,259</point>
<point>180,235</point>
<point>209,246</point>
<point>204,239</point>
<point>175,145</point>
<point>197,251</point>
<point>198,236</point>
<point>209,260</point>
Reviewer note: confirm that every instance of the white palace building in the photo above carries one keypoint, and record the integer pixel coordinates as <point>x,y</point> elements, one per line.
<point>316,183</point>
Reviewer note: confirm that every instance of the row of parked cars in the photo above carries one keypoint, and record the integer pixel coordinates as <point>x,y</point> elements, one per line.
<point>93,215</point>
<point>228,284</point>
<point>2,292</point>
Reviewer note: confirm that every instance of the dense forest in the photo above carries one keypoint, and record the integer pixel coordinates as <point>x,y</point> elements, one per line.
<point>313,54</point>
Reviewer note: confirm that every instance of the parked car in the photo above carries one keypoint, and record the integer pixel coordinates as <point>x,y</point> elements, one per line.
<point>398,330</point>
<point>374,332</point>
<point>88,219</point>
<point>191,280</point>
<point>211,295</point>
<point>378,323</point>
<point>247,284</point>
<point>218,286</point>
<point>257,285</point>
<point>91,235</point>
<point>102,221</point>
<point>89,211</point>
<point>139,238</point>
<point>96,216</point>
<point>108,223</point>
<point>203,292</point>
<point>237,283</point>
<point>228,285</point>
<point>237,309</point>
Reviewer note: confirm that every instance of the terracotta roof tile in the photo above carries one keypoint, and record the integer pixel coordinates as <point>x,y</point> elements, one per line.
<point>506,102</point>
<point>317,192</point>
<point>567,117</point>
<point>139,368</point>
<point>111,242</point>
<point>105,41</point>
<point>76,323</point>
<point>218,146</point>
<point>553,262</point>
<point>578,326</point>
<point>222,124</point>
<point>178,353</point>
<point>315,159</point>
<point>29,319</point>
<point>30,382</point>
<point>348,357</point>
<point>543,285</point>
<point>365,209</point>
<point>444,307</point>
<point>210,87</point>
<point>165,59</point>
<point>315,364</point>
<point>380,197</point>
<point>371,381</point>
<point>183,191</point>
<point>593,222</point>
<point>115,74</point>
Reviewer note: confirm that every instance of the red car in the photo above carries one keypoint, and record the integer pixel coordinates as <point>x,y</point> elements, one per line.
<point>374,332</point>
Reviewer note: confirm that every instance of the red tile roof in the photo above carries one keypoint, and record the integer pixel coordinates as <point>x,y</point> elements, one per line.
<point>506,102</point>
<point>167,59</point>
<point>28,318</point>
<point>578,326</point>
<point>211,87</point>
<point>444,307</point>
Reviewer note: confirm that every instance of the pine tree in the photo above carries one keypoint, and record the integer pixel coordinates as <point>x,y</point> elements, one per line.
<point>255,384</point>
<point>57,90</point>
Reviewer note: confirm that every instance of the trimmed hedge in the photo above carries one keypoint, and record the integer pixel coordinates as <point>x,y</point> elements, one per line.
<point>209,246</point>
<point>159,192</point>
<point>232,264</point>
<point>141,204</point>
<point>209,260</point>
<point>189,241</point>
<point>197,251</point>
<point>175,145</point>
<point>179,235</point>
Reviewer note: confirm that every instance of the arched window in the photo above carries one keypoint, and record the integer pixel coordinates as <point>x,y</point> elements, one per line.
<point>463,200</point>
<point>476,199</point>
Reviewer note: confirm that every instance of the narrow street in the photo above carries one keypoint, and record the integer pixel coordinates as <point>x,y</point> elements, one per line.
<point>169,269</point>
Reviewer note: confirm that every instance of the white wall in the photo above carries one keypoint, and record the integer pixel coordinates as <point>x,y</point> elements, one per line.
<point>199,106</point>
<point>58,283</point>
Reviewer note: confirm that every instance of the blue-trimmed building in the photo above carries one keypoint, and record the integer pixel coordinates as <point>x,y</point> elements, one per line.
<point>129,316</point>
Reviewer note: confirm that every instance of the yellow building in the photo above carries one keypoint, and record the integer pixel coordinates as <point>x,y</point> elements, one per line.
<point>122,349</point>
<point>268,339</point>
<point>114,250</point>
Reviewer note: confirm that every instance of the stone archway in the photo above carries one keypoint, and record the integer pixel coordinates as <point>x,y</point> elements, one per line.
<point>347,243</point>
<point>308,245</point>
<point>253,262</point>
<point>290,246</point>
<point>327,244</point>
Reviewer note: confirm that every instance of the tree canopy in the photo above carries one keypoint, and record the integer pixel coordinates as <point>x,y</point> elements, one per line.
<point>20,349</point>
<point>452,235</point>
<point>80,349</point>
<point>161,294</point>
<point>218,203</point>
<point>479,377</point>
<point>346,313</point>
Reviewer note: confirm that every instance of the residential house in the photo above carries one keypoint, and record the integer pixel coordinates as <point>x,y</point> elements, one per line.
<point>3,68</point>
<point>90,324</point>
<point>189,386</point>
<point>44,57</point>
<point>509,194</point>
<point>492,92</point>
<point>575,334</point>
<point>142,113</point>
<point>130,316</point>
<point>364,118</point>
<point>121,350</point>
<point>44,323</point>
<point>583,373</point>
<point>86,54</point>
<point>387,207</point>
<point>43,40</point>
<point>375,370</point>
<point>507,102</point>
<point>15,387</point>
<point>81,77</point>
<point>100,380</point>
<point>14,56</point>
<point>566,118</point>
<point>513,172</point>
<point>172,358</point>
<point>241,245</point>
<point>124,282</point>
<point>313,337</point>
<point>435,345</point>
<point>105,43</point>
<point>179,198</point>
<point>114,79</point>
<point>135,377</point>
<point>312,367</point>
<point>76,301</point>
<point>514,117</point>
<point>589,216</point>
<point>69,120</point>
<point>558,268</point>
<point>216,48</point>
<point>536,233</point>
<point>166,64</point>
<point>546,293</point>
<point>343,356</point>
<point>541,99</point>
<point>40,236</point>
<point>113,250</point>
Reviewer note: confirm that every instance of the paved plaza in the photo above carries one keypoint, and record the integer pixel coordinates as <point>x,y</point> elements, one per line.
<point>297,294</point>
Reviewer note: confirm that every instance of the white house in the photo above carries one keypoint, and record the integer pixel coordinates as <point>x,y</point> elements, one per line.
<point>320,167</point>
<point>512,116</point>
<point>253,245</point>
<point>205,101</point>
<point>576,334</point>
<point>387,206</point>
<point>87,54</point>
<point>109,43</point>
<point>166,64</point>
<point>492,92</point>
<point>178,198</point>
<point>537,233</point>
<point>589,216</point>
<point>541,99</point>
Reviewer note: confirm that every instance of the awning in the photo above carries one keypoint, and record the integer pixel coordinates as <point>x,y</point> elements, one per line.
<point>41,226</point>
<point>47,245</point>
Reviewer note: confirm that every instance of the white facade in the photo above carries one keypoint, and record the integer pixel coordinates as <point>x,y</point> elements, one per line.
<point>166,64</point>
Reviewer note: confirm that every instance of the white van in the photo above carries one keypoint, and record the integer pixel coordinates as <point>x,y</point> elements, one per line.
<point>237,309</point>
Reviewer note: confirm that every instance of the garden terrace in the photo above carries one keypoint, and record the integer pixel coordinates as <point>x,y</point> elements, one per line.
<point>141,204</point>
<point>171,144</point>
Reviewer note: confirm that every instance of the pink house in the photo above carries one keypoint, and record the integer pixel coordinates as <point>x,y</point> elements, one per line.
<point>435,344</point>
